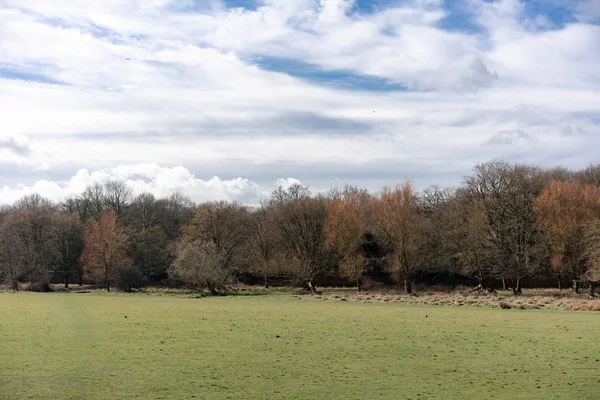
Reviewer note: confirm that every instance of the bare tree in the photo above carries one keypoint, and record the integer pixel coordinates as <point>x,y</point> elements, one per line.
<point>589,175</point>
<point>150,251</point>
<point>563,209</point>
<point>506,192</point>
<point>223,225</point>
<point>200,266</point>
<point>92,202</point>
<point>399,222</point>
<point>69,246</point>
<point>299,222</point>
<point>293,193</point>
<point>12,265</point>
<point>32,231</point>
<point>175,212</point>
<point>117,196</point>
<point>591,242</point>
<point>261,243</point>
<point>76,205</point>
<point>144,212</point>
<point>104,250</point>
<point>345,227</point>
<point>466,239</point>
<point>434,201</point>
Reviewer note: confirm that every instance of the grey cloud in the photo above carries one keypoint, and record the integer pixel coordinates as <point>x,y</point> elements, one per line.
<point>588,11</point>
<point>19,147</point>
<point>466,75</point>
<point>210,127</point>
<point>511,138</point>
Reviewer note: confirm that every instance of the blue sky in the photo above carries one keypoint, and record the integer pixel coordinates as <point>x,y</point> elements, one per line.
<point>225,99</point>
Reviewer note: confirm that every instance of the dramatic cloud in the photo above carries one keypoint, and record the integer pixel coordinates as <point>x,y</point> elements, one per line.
<point>324,91</point>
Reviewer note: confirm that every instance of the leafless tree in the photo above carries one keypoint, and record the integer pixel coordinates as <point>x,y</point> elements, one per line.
<point>92,202</point>
<point>144,212</point>
<point>150,251</point>
<point>261,243</point>
<point>399,222</point>
<point>117,196</point>
<point>591,243</point>
<point>175,212</point>
<point>346,224</point>
<point>12,264</point>
<point>32,230</point>
<point>299,222</point>
<point>562,211</point>
<point>224,225</point>
<point>506,192</point>
<point>200,266</point>
<point>68,246</point>
<point>463,229</point>
<point>104,250</point>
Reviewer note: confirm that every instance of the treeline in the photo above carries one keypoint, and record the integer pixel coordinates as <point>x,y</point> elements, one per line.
<point>505,223</point>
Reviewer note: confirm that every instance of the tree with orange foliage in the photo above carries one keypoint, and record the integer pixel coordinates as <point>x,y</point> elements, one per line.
<point>104,251</point>
<point>562,211</point>
<point>345,227</point>
<point>400,223</point>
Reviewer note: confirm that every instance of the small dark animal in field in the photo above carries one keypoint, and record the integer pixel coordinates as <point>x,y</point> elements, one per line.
<point>126,316</point>
<point>425,315</point>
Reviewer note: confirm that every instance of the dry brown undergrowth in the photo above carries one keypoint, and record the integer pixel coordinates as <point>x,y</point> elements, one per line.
<point>534,299</point>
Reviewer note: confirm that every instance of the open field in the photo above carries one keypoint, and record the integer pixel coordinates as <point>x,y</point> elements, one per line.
<point>127,346</point>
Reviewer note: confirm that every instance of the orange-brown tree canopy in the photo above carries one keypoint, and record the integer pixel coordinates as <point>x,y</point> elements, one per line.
<point>562,211</point>
<point>104,250</point>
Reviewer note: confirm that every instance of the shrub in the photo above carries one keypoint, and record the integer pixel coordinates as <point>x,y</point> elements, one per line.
<point>42,286</point>
<point>130,278</point>
<point>504,305</point>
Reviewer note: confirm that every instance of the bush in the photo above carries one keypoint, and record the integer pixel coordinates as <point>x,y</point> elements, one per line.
<point>200,266</point>
<point>129,278</point>
<point>42,286</point>
<point>504,305</point>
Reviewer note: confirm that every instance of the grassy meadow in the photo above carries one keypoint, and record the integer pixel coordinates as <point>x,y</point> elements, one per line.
<point>139,346</point>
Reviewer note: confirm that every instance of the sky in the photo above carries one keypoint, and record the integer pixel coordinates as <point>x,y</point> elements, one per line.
<point>227,99</point>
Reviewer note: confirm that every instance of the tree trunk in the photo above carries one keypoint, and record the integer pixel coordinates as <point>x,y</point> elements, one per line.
<point>66,281</point>
<point>358,288</point>
<point>408,286</point>
<point>503,283</point>
<point>107,286</point>
<point>592,289</point>
<point>211,288</point>
<point>312,286</point>
<point>15,285</point>
<point>80,277</point>
<point>576,286</point>
<point>515,286</point>
<point>559,282</point>
<point>266,282</point>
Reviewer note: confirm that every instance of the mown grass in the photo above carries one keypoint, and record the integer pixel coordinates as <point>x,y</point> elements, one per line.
<point>76,346</point>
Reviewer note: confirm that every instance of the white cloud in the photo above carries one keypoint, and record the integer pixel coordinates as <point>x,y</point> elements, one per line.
<point>152,178</point>
<point>153,83</point>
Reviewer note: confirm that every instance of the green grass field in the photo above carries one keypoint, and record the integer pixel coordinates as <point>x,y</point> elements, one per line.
<point>81,346</point>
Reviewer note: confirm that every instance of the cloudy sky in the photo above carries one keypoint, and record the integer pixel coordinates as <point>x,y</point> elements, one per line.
<point>225,99</point>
